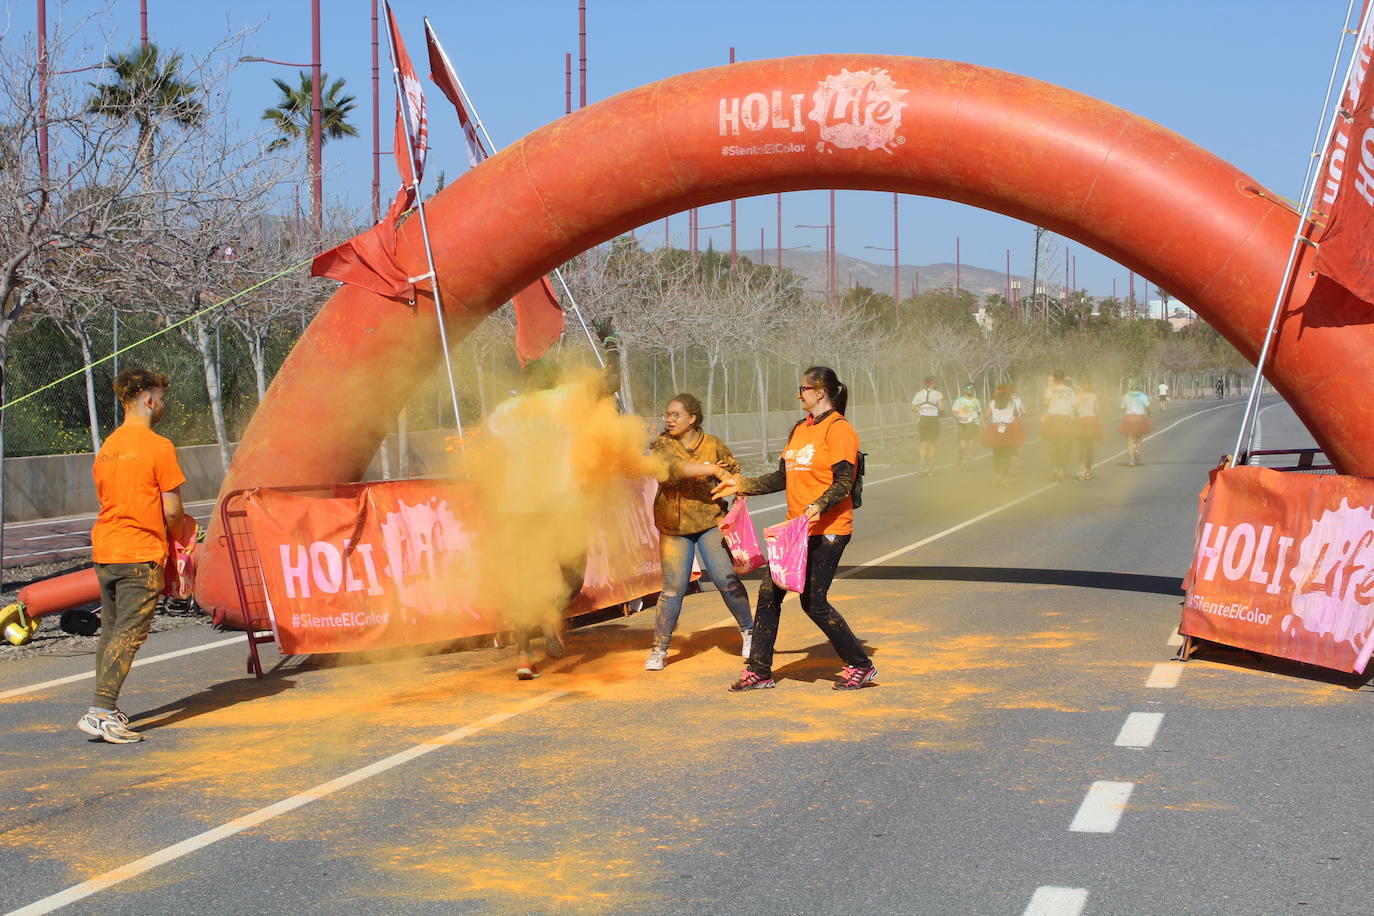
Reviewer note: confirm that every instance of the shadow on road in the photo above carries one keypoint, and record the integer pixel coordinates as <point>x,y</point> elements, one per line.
<point>817,663</point>
<point>1232,657</point>
<point>211,699</point>
<point>1072,578</point>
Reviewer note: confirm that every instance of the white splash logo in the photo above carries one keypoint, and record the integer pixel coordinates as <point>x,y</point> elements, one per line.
<point>804,456</point>
<point>1333,577</point>
<point>858,110</point>
<point>415,538</point>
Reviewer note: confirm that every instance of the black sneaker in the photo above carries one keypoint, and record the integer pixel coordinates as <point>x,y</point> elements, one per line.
<point>854,678</point>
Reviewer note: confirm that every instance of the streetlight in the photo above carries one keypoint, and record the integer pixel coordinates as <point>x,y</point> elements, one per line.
<point>316,134</point>
<point>829,267</point>
<point>696,234</point>
<point>896,273</point>
<point>43,74</point>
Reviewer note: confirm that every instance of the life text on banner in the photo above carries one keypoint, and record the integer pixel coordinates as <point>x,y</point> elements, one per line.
<point>1345,193</point>
<point>401,563</point>
<point>1284,565</point>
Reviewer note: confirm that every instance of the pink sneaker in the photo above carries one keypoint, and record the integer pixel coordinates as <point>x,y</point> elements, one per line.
<point>854,678</point>
<point>751,681</point>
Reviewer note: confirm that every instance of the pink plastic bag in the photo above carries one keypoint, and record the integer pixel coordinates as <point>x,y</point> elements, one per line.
<point>740,538</point>
<point>787,553</point>
<point>179,576</point>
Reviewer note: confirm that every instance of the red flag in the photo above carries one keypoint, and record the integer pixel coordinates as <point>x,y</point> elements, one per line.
<point>538,320</point>
<point>446,78</point>
<point>538,316</point>
<point>369,260</point>
<point>410,110</point>
<point>1345,245</point>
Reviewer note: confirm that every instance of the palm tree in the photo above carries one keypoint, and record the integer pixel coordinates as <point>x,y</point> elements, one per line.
<point>148,91</point>
<point>291,115</point>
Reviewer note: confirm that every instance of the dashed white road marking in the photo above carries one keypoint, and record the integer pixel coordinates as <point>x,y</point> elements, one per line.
<point>1175,638</point>
<point>239,824</point>
<point>1164,674</point>
<point>1102,807</point>
<point>1049,900</point>
<point>1139,729</point>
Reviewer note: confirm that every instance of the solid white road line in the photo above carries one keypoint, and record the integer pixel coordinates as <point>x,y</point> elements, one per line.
<point>1057,901</point>
<point>1139,729</point>
<point>1102,807</point>
<point>73,678</point>
<point>262,815</point>
<point>1164,675</point>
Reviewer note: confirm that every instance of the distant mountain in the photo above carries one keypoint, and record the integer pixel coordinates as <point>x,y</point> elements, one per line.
<point>857,272</point>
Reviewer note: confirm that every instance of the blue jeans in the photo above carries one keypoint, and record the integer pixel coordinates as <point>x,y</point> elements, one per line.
<point>675,551</point>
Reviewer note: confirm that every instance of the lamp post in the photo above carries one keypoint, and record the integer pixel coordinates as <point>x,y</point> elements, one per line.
<point>316,135</point>
<point>376,125</point>
<point>697,230</point>
<point>829,266</point>
<point>896,274</point>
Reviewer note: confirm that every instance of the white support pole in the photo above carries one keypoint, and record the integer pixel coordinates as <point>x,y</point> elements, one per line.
<point>1245,436</point>
<point>424,234</point>
<point>477,119</point>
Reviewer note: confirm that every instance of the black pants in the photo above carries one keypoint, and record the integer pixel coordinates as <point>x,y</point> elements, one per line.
<point>823,552</point>
<point>1001,460</point>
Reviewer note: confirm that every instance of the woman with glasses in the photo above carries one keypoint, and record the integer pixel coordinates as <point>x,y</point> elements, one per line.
<point>688,519</point>
<point>817,470</point>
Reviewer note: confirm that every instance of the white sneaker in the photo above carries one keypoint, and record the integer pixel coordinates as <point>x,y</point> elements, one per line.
<point>747,642</point>
<point>656,660</point>
<point>109,728</point>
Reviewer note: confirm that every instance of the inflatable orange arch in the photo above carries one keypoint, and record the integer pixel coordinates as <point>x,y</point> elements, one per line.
<point>1139,194</point>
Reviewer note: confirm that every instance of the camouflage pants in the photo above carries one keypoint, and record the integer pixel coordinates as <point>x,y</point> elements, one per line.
<point>128,601</point>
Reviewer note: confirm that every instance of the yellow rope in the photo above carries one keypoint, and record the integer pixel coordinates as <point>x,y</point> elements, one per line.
<point>170,327</point>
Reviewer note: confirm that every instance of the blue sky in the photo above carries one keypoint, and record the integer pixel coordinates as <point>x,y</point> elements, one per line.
<point>1244,79</point>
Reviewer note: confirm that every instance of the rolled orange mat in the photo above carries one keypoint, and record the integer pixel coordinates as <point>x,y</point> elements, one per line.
<point>58,594</point>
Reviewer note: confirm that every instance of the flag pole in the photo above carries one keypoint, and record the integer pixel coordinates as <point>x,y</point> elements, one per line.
<point>557,272</point>
<point>432,275</point>
<point>1245,436</point>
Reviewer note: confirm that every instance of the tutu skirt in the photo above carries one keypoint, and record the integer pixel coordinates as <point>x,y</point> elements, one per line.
<point>1004,435</point>
<point>1087,428</point>
<point>1136,424</point>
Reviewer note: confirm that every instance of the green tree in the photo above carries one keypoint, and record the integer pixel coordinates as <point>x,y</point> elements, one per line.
<point>291,115</point>
<point>148,91</point>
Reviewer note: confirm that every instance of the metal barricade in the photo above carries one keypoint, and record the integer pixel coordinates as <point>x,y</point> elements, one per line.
<point>247,564</point>
<point>1305,463</point>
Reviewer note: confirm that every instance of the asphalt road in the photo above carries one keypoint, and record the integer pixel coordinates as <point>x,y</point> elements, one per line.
<point>45,540</point>
<point>1028,748</point>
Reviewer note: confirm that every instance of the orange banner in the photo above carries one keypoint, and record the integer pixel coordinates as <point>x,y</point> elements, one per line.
<point>1284,564</point>
<point>398,563</point>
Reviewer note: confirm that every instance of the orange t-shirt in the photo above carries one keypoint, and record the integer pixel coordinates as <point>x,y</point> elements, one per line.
<point>132,470</point>
<point>811,450</point>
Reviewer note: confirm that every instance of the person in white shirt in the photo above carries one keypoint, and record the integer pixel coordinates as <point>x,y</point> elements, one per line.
<point>929,406</point>
<point>1163,396</point>
<point>1056,425</point>
<point>1003,432</point>
<point>968,411</point>
<point>1087,428</point>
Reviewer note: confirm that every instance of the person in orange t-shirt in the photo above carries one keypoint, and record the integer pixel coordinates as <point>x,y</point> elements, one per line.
<point>817,470</point>
<point>138,482</point>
